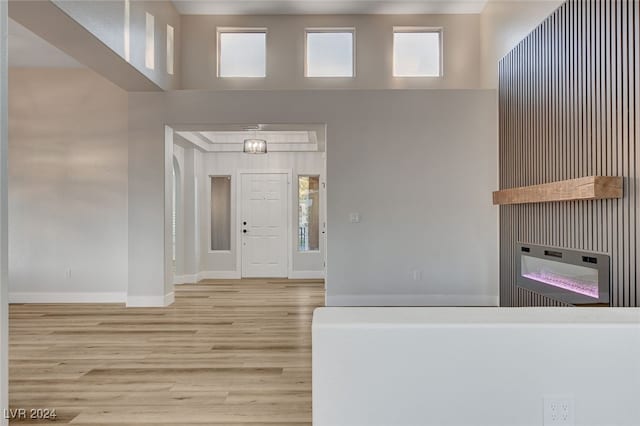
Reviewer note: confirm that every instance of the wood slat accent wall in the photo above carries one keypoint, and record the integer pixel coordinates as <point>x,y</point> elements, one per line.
<point>568,108</point>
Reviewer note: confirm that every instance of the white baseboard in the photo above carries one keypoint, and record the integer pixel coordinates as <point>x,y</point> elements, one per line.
<point>411,300</point>
<point>169,299</point>
<point>306,275</point>
<point>185,279</point>
<point>219,275</point>
<point>63,297</point>
<point>150,301</point>
<point>236,275</point>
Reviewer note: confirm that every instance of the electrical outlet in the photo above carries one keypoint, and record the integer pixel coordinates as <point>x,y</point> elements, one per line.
<point>558,411</point>
<point>417,275</point>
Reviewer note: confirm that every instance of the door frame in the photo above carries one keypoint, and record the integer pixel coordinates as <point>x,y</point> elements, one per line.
<point>289,235</point>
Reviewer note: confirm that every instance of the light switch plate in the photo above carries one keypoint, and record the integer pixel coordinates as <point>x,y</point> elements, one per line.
<point>354,217</point>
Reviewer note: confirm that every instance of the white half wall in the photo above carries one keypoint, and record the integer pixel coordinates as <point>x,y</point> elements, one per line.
<point>4,280</point>
<point>474,366</point>
<point>418,167</point>
<point>68,181</point>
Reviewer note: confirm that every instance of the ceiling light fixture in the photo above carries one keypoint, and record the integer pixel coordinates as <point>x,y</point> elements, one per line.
<point>255,145</point>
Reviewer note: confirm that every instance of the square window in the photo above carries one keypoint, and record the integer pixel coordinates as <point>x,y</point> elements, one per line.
<point>242,53</point>
<point>417,53</point>
<point>329,53</point>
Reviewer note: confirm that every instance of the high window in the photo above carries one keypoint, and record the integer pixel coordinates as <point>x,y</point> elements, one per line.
<point>242,52</point>
<point>417,52</point>
<point>150,42</point>
<point>329,53</point>
<point>170,49</point>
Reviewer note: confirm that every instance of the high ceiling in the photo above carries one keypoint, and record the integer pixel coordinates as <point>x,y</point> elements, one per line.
<point>293,7</point>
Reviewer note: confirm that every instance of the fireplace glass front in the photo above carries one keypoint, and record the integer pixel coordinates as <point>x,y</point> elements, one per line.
<point>566,275</point>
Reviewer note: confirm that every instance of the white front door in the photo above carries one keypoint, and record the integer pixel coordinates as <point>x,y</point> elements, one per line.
<point>263,221</point>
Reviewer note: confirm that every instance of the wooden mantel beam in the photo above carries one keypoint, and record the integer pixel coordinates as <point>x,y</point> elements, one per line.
<point>585,188</point>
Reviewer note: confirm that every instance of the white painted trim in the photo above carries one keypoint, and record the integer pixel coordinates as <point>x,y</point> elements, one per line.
<point>150,301</point>
<point>218,275</point>
<point>65,297</point>
<point>412,300</point>
<point>169,299</point>
<point>306,275</point>
<point>185,279</point>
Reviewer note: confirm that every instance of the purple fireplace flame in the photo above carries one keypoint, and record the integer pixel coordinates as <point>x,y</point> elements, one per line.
<point>567,283</point>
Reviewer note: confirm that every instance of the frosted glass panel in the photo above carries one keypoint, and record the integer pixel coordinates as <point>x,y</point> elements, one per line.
<point>575,278</point>
<point>242,54</point>
<point>170,49</point>
<point>220,213</point>
<point>308,213</point>
<point>330,54</point>
<point>416,54</point>
<point>127,30</point>
<point>150,42</point>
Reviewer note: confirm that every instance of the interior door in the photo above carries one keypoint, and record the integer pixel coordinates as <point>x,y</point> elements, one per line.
<point>264,224</point>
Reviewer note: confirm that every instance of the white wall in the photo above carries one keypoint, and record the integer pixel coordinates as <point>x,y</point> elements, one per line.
<point>146,204</point>
<point>223,264</point>
<point>179,165</point>
<point>4,281</point>
<point>504,23</point>
<point>419,166</point>
<point>474,366</point>
<point>68,187</point>
<point>374,47</point>
<point>191,196</point>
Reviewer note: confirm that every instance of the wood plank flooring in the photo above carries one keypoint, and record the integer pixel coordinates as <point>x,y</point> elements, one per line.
<point>225,353</point>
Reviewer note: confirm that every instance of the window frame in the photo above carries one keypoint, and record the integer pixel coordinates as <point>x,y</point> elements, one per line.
<point>240,30</point>
<point>418,30</point>
<point>329,30</point>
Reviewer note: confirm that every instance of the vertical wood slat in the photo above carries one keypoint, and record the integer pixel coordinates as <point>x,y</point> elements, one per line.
<point>568,107</point>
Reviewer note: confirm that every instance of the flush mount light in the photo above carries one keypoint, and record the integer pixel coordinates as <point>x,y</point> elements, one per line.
<point>255,146</point>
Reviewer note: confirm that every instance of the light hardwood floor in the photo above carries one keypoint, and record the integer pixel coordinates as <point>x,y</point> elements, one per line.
<point>225,353</point>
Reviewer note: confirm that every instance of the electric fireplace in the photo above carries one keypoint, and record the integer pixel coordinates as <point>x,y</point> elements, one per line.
<point>569,276</point>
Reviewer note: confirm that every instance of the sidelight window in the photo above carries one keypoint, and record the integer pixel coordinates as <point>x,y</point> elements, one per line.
<point>220,213</point>
<point>308,213</point>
